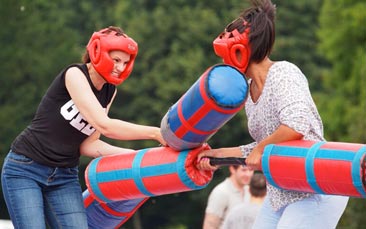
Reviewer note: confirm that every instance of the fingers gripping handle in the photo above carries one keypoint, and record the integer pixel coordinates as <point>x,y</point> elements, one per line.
<point>227,161</point>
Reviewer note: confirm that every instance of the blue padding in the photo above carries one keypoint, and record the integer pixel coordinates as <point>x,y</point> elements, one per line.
<point>192,100</point>
<point>265,165</point>
<point>127,174</point>
<point>92,170</point>
<point>227,86</point>
<point>309,167</point>
<point>191,103</point>
<point>125,206</point>
<point>173,118</point>
<point>288,151</point>
<point>98,217</point>
<point>158,170</point>
<point>213,120</point>
<point>182,173</point>
<point>114,175</point>
<point>136,169</point>
<point>273,150</point>
<point>356,171</point>
<point>334,154</point>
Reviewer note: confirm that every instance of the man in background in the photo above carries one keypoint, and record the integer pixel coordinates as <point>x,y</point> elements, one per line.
<point>242,216</point>
<point>230,192</point>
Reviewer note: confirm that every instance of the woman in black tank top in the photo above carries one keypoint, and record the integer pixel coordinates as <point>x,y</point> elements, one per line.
<point>40,173</point>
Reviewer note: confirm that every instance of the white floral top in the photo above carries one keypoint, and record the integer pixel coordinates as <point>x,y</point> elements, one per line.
<point>286,100</point>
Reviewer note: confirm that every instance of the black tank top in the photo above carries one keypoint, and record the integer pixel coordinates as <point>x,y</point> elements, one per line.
<point>54,136</point>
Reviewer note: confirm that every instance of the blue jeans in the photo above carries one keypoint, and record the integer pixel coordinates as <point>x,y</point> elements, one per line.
<point>35,192</point>
<point>318,212</point>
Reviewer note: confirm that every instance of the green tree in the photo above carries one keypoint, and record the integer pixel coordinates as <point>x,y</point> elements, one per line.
<point>343,43</point>
<point>30,50</point>
<point>296,40</point>
<point>342,35</point>
<point>38,38</point>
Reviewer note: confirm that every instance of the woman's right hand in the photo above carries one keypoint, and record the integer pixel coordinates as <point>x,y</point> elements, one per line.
<point>203,162</point>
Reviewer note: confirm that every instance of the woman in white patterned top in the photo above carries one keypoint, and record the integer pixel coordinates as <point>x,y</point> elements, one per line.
<point>279,108</point>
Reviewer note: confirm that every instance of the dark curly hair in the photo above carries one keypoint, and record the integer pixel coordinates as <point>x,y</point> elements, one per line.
<point>260,18</point>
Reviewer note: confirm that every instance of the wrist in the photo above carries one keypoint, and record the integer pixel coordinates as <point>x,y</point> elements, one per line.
<point>260,147</point>
<point>244,151</point>
<point>151,133</point>
<point>155,133</point>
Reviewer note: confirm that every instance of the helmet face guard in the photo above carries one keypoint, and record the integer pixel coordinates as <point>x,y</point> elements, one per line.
<point>233,47</point>
<point>99,47</point>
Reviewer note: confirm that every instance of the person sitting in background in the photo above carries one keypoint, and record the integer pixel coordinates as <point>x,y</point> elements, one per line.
<point>230,192</point>
<point>242,216</point>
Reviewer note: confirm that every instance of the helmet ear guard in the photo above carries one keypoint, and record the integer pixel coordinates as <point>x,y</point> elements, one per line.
<point>243,59</point>
<point>99,47</point>
<point>233,48</point>
<point>94,51</point>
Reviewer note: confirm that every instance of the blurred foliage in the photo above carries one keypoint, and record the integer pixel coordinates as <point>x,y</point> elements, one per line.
<point>342,37</point>
<point>325,38</point>
<point>342,103</point>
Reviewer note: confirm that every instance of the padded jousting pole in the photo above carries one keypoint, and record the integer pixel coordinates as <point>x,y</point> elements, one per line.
<point>333,168</point>
<point>118,185</point>
<point>145,173</point>
<point>109,215</point>
<point>211,101</point>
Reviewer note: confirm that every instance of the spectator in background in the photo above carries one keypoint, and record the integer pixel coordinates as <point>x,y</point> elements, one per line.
<point>242,216</point>
<point>230,192</point>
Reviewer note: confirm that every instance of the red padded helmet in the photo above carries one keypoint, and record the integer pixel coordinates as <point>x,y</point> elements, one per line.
<point>228,44</point>
<point>101,44</point>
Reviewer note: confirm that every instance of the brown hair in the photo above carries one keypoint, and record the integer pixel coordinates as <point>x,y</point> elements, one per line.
<point>257,185</point>
<point>85,58</point>
<point>260,17</point>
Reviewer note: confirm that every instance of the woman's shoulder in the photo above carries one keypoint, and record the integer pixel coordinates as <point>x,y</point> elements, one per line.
<point>285,76</point>
<point>72,67</point>
<point>285,66</point>
<point>81,67</point>
<point>284,70</point>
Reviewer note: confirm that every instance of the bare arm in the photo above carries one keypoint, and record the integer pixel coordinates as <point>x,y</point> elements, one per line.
<point>211,221</point>
<point>94,147</point>
<point>282,134</point>
<point>253,160</point>
<point>88,105</point>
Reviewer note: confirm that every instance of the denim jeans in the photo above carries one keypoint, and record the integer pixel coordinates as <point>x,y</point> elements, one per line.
<point>34,192</point>
<point>318,212</point>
